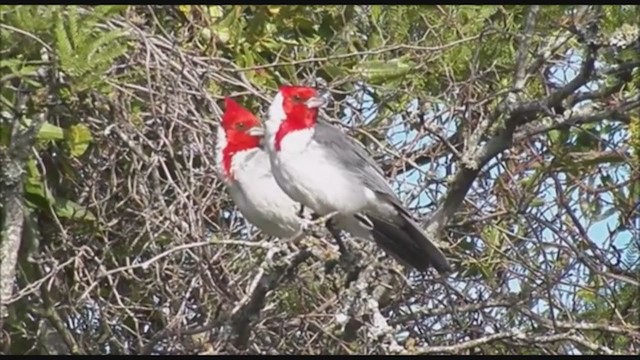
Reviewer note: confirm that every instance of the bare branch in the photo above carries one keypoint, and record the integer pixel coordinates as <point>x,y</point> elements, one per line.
<point>585,116</point>
<point>476,157</point>
<point>13,161</point>
<point>523,48</point>
<point>248,309</point>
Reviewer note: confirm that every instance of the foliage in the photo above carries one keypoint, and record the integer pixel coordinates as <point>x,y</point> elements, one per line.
<point>126,246</point>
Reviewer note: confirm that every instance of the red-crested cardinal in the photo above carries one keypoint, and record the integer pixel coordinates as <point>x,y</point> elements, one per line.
<point>325,170</point>
<point>245,169</point>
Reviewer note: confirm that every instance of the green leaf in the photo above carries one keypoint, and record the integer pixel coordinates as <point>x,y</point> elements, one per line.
<point>334,72</point>
<point>376,12</point>
<point>74,32</point>
<point>36,193</point>
<point>554,136</point>
<point>72,210</point>
<point>32,169</point>
<point>587,295</point>
<point>537,202</point>
<point>185,10</point>
<point>223,28</point>
<point>274,9</point>
<point>215,11</point>
<point>63,45</point>
<point>50,132</point>
<point>78,137</point>
<point>39,194</point>
<point>102,11</point>
<point>106,38</point>
<point>34,186</point>
<point>5,135</point>
<point>375,40</point>
<point>378,72</point>
<point>223,33</point>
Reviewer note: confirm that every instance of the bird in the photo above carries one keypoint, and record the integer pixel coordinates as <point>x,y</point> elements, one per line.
<point>245,169</point>
<point>322,168</point>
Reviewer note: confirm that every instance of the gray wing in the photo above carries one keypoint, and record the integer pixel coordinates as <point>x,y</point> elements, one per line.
<point>400,237</point>
<point>355,158</point>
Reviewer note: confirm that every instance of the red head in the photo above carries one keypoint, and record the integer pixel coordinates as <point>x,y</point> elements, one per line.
<point>238,132</point>
<point>300,106</point>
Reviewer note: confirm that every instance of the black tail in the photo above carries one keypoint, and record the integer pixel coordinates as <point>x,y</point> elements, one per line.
<point>407,243</point>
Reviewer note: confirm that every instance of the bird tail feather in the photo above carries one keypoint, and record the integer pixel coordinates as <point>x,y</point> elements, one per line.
<point>408,244</point>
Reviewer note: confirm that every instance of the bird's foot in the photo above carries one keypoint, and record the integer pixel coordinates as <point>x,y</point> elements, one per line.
<point>325,218</point>
<point>308,224</point>
<point>336,233</point>
<point>301,212</point>
<point>350,262</point>
<point>306,221</point>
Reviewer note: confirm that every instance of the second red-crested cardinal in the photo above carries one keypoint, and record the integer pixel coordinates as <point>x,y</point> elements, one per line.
<point>245,169</point>
<point>322,168</point>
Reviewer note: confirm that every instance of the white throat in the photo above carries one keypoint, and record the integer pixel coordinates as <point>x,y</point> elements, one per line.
<point>275,117</point>
<point>221,143</point>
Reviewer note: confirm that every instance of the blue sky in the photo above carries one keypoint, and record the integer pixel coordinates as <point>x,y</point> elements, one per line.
<point>401,138</point>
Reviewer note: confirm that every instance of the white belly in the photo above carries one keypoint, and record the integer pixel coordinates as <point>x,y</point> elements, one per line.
<point>260,199</point>
<point>311,179</point>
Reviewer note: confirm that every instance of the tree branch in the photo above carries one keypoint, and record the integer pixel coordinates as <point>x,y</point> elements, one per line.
<point>248,309</point>
<point>364,299</point>
<point>13,161</point>
<point>511,335</point>
<point>582,117</point>
<point>523,49</point>
<point>475,157</point>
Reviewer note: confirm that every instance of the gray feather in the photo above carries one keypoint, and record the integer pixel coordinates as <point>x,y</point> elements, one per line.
<point>408,244</point>
<point>353,158</point>
<point>397,235</point>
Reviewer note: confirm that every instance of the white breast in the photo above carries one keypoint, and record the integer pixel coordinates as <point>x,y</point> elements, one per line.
<point>258,196</point>
<point>305,173</point>
<point>221,143</point>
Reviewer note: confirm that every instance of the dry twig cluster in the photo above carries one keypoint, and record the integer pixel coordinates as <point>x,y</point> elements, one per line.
<point>164,272</point>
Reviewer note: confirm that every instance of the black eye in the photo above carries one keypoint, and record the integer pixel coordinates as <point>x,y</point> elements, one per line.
<point>296,98</point>
<point>240,126</point>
